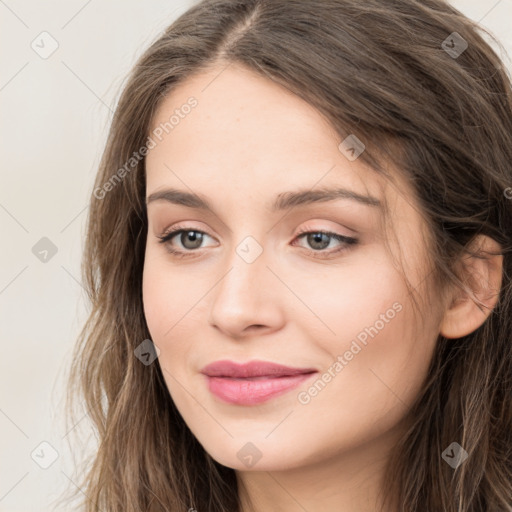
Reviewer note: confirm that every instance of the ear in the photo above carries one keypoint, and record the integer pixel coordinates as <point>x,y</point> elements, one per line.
<point>468,309</point>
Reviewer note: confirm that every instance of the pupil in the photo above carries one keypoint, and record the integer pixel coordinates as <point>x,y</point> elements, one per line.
<point>316,238</point>
<point>192,236</point>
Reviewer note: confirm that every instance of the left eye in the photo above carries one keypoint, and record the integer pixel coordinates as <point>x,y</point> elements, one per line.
<point>320,240</point>
<point>191,240</point>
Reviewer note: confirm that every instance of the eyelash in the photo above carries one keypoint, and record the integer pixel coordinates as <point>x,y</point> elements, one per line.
<point>347,241</point>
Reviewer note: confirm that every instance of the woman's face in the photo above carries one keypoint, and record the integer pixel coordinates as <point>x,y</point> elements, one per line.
<point>245,286</point>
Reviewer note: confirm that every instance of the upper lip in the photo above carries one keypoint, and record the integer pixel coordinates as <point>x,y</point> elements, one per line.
<point>251,369</point>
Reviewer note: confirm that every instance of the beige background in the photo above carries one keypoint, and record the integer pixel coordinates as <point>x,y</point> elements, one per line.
<point>55,116</point>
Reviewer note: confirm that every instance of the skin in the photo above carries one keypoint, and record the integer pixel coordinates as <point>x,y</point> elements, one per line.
<point>248,140</point>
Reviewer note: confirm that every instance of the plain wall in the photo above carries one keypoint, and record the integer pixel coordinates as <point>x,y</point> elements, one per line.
<point>55,117</point>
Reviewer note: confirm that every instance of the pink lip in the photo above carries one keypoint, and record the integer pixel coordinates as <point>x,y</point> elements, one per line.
<point>253,382</point>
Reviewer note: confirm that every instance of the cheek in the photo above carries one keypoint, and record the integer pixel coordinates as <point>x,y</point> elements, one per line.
<point>167,293</point>
<point>173,310</point>
<point>153,298</point>
<point>342,300</point>
<point>368,332</point>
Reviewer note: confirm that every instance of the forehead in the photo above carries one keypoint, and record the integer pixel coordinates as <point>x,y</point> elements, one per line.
<point>246,127</point>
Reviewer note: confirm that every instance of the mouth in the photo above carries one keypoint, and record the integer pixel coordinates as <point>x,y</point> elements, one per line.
<point>253,383</point>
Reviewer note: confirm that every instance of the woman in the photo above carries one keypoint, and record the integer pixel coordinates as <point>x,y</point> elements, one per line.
<point>299,258</point>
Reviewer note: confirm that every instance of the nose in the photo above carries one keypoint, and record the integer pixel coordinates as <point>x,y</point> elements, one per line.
<point>246,300</point>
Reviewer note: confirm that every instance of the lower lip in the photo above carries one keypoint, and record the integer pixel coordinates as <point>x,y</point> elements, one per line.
<point>253,391</point>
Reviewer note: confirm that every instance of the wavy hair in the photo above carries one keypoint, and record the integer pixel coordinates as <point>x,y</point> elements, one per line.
<point>381,70</point>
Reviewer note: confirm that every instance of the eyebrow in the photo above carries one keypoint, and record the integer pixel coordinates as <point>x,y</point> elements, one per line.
<point>282,201</point>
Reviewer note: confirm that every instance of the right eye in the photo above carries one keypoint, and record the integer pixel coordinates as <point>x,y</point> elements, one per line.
<point>189,238</point>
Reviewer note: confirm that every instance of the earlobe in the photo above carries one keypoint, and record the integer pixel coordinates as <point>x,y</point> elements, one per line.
<point>468,309</point>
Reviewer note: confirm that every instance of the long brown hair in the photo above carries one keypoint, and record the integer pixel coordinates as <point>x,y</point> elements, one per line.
<point>388,73</point>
